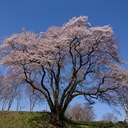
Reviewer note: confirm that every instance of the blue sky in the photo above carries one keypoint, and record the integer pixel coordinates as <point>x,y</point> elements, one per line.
<point>38,15</point>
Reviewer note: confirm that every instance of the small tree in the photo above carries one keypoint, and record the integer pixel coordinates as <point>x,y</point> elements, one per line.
<point>19,101</point>
<point>12,89</point>
<point>109,117</point>
<point>80,112</point>
<point>121,98</point>
<point>69,61</point>
<point>34,97</point>
<point>118,99</point>
<point>1,87</point>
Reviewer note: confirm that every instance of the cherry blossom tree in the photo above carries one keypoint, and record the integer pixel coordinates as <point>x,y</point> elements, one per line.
<point>65,62</point>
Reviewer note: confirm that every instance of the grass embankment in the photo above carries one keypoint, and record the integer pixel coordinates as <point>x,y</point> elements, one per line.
<point>41,120</point>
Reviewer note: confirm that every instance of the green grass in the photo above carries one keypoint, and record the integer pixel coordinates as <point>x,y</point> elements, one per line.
<point>24,119</point>
<point>10,119</point>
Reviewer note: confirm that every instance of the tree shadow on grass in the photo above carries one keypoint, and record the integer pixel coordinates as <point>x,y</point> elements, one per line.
<point>41,120</point>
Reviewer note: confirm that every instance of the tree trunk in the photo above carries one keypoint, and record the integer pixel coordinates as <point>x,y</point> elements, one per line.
<point>57,119</point>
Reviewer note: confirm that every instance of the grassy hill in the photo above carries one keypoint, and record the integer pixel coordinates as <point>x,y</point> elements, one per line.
<point>10,119</point>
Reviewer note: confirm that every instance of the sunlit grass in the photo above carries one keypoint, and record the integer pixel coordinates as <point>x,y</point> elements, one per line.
<point>41,120</point>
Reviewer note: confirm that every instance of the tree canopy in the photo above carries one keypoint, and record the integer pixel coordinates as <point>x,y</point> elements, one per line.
<point>65,62</point>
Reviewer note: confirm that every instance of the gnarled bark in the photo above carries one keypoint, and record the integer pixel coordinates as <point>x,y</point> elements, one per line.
<point>57,118</point>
